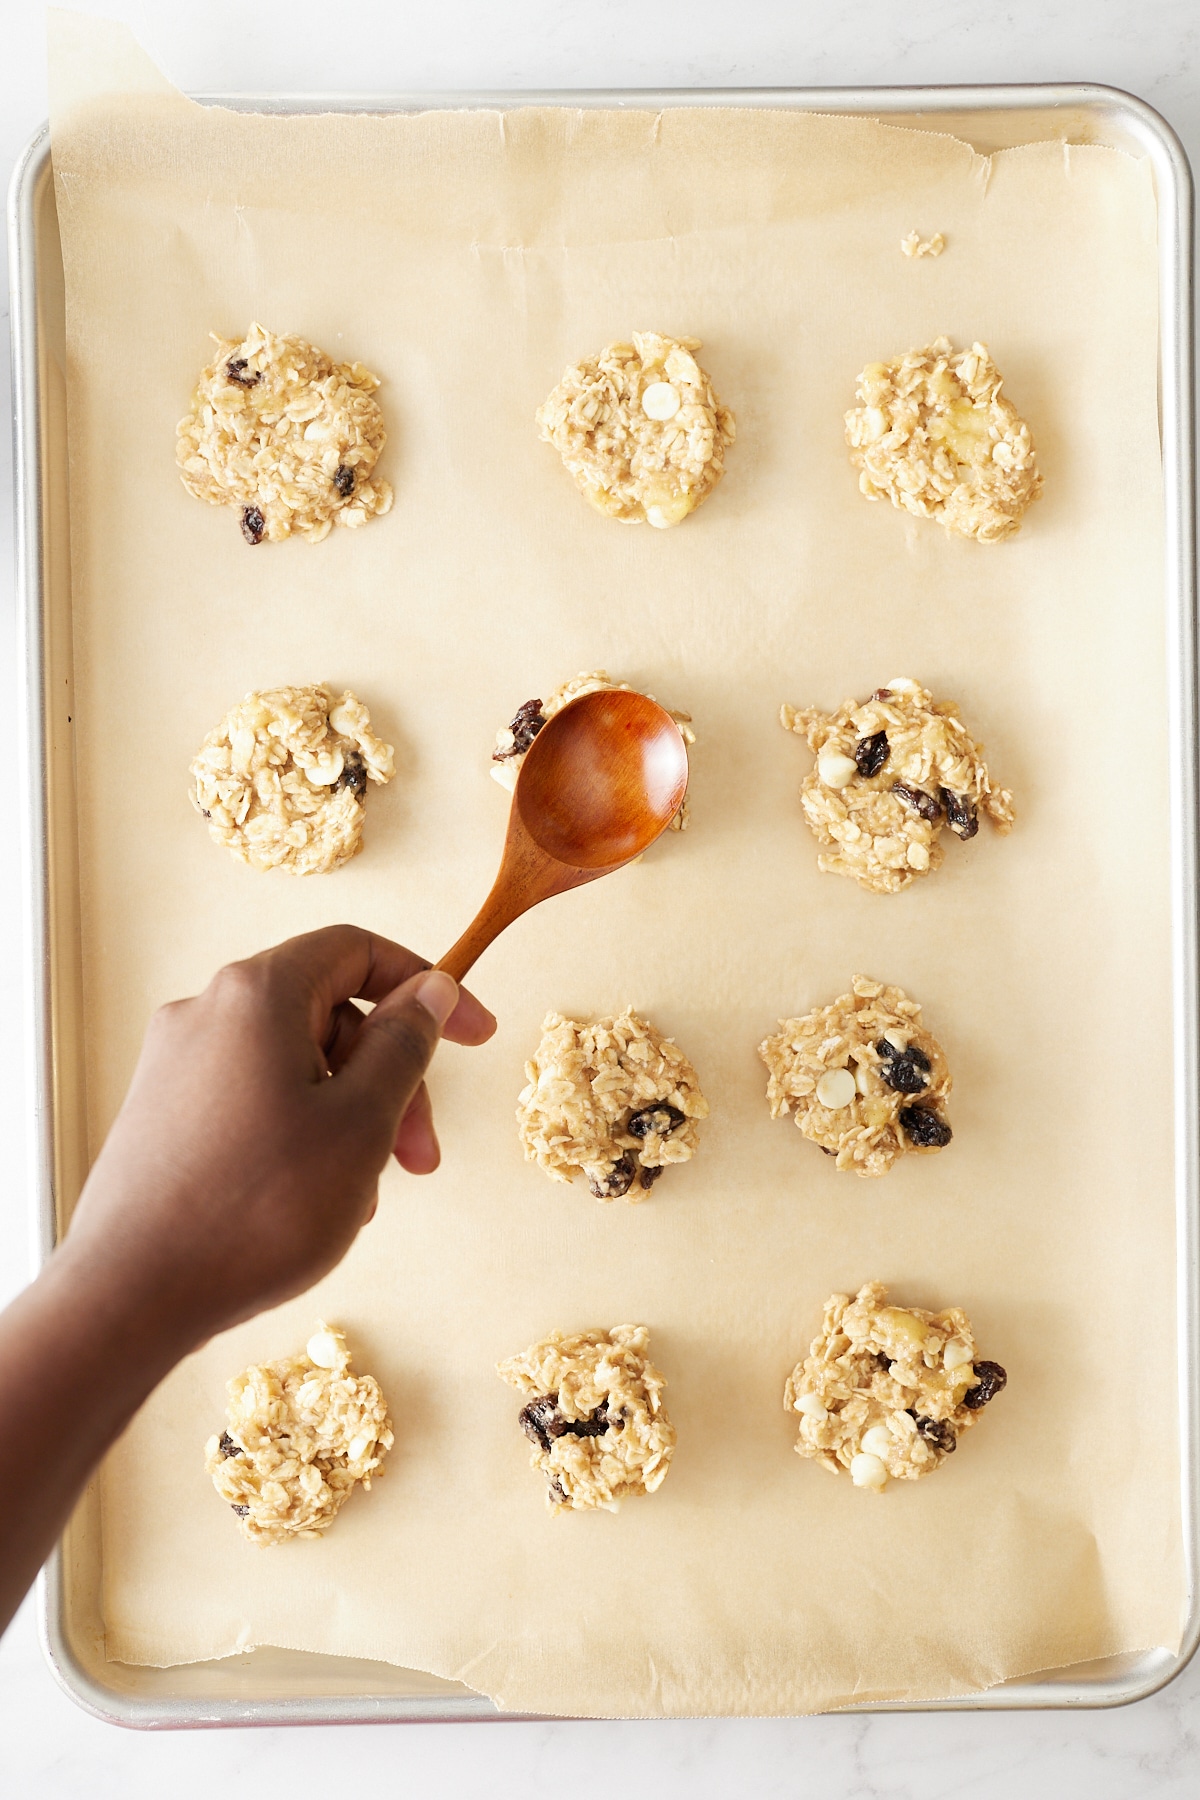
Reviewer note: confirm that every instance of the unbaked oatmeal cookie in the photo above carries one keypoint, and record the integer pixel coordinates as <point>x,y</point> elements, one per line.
<point>615,1102</point>
<point>283,779</point>
<point>639,428</point>
<point>863,1077</point>
<point>285,434</point>
<point>513,740</point>
<point>594,1415</point>
<point>302,1433</point>
<point>887,1391</point>
<point>890,773</point>
<point>936,437</point>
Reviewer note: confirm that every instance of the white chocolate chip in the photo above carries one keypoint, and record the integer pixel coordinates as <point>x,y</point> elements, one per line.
<point>836,770</point>
<point>918,857</point>
<point>836,1088</point>
<point>325,771</point>
<point>326,1349</point>
<point>358,1448</point>
<point>900,684</point>
<point>661,400</point>
<point>866,1471</point>
<point>955,1354</point>
<point>877,1441</point>
<point>811,1406</point>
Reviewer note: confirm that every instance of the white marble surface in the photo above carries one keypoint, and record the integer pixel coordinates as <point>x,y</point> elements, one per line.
<point>50,1749</point>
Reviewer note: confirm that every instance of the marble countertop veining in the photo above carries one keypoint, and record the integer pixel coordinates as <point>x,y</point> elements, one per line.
<point>51,1750</point>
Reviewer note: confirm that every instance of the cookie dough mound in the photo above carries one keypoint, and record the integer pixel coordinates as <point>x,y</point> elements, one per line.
<point>512,741</point>
<point>301,1434</point>
<point>285,434</point>
<point>283,779</point>
<point>863,1078</point>
<point>935,436</point>
<point>594,1416</point>
<point>640,429</point>
<point>614,1102</point>
<point>887,1391</point>
<point>890,774</point>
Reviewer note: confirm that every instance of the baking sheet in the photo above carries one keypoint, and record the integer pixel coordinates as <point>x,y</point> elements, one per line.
<point>1055,1536</point>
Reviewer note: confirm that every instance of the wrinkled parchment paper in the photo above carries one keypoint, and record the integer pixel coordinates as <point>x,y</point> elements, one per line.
<point>467,257</point>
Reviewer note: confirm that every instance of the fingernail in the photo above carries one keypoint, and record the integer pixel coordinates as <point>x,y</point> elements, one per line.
<point>438,994</point>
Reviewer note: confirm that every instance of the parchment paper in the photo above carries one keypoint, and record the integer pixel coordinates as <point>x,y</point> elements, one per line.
<point>467,257</point>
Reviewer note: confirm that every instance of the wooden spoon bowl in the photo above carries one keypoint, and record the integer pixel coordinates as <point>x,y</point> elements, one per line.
<point>600,782</point>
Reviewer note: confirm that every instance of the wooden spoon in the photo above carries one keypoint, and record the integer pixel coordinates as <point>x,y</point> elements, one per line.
<point>600,782</point>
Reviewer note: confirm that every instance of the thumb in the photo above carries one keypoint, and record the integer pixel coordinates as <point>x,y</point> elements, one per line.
<point>395,1043</point>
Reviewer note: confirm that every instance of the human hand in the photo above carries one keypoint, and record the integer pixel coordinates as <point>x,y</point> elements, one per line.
<point>247,1153</point>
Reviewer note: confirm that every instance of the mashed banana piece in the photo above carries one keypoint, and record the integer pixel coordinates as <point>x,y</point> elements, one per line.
<point>887,1391</point>
<point>594,1416</point>
<point>614,1102</point>
<point>890,773</point>
<point>935,436</point>
<point>863,1077</point>
<point>302,1433</point>
<point>283,779</point>
<point>639,428</point>
<point>284,433</point>
<point>512,741</point>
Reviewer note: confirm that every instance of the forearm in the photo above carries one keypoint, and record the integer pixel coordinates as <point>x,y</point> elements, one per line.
<point>79,1354</point>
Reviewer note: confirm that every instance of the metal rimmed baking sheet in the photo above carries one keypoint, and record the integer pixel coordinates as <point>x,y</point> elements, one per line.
<point>987,118</point>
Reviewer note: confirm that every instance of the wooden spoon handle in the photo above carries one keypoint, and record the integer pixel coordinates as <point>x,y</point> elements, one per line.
<point>527,876</point>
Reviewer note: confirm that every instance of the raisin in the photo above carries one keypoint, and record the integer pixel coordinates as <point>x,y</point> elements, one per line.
<point>924,1128</point>
<point>343,480</point>
<point>618,1181</point>
<point>940,1435</point>
<point>870,753</point>
<point>882,694</point>
<point>991,1379</point>
<point>241,1511</point>
<point>542,1422</point>
<point>660,1119</point>
<point>524,727</point>
<point>353,775</point>
<point>253,525</point>
<point>884,1049</point>
<point>918,799</point>
<point>236,372</point>
<point>906,1071</point>
<point>961,816</point>
<point>228,1448</point>
<point>558,1491</point>
<point>650,1176</point>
